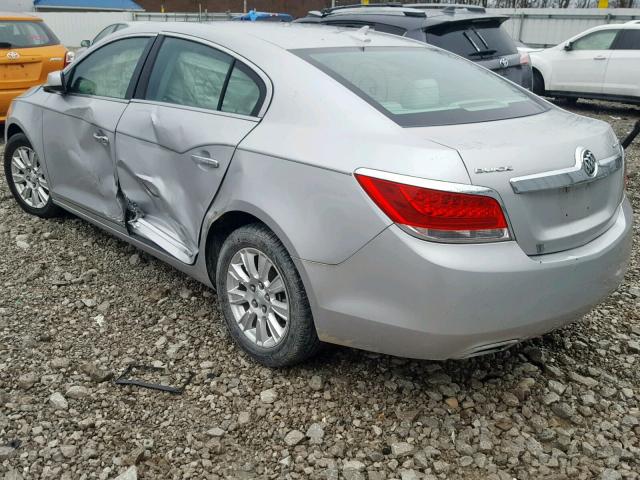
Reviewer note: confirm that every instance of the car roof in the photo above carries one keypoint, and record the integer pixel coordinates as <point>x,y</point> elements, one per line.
<point>14,16</point>
<point>287,36</point>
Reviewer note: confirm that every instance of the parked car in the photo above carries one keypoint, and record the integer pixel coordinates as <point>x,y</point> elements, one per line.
<point>468,31</point>
<point>602,63</point>
<point>29,50</point>
<point>254,16</point>
<point>421,206</point>
<point>108,30</point>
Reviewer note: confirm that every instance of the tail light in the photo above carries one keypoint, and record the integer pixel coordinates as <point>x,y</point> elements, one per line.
<point>434,214</point>
<point>525,59</point>
<point>69,57</point>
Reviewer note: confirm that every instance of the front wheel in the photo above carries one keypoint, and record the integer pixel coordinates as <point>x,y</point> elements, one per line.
<point>25,177</point>
<point>538,83</point>
<point>263,299</point>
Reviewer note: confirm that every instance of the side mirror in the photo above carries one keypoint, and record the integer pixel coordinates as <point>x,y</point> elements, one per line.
<point>568,46</point>
<point>85,43</point>
<point>54,83</point>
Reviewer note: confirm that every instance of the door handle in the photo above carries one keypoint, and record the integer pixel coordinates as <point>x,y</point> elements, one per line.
<point>205,161</point>
<point>600,57</point>
<point>103,139</point>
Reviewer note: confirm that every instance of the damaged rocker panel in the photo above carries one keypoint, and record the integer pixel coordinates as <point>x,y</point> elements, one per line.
<point>164,240</point>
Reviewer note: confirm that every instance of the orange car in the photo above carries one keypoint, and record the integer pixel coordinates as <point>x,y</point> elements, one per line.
<point>28,52</point>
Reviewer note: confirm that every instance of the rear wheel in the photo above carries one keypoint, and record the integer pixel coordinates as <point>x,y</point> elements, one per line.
<point>571,101</point>
<point>263,299</point>
<point>25,177</point>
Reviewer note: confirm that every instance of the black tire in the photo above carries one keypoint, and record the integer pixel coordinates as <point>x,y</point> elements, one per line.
<point>538,83</point>
<point>571,101</point>
<point>49,210</point>
<point>300,341</point>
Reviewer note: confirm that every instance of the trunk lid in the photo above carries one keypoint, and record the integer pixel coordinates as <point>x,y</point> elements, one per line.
<point>551,219</point>
<point>21,68</point>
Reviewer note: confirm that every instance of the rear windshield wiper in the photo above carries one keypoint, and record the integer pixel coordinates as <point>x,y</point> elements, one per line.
<point>5,45</point>
<point>483,52</point>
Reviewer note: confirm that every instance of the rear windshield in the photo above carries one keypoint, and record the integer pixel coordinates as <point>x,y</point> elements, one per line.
<point>418,87</point>
<point>474,40</point>
<point>23,34</point>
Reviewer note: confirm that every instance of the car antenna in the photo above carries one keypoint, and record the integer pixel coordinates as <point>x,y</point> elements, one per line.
<point>361,34</point>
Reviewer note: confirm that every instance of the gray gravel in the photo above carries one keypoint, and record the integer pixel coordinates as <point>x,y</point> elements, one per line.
<point>77,306</point>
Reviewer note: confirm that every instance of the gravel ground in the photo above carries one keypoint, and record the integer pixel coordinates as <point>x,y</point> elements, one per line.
<point>77,306</point>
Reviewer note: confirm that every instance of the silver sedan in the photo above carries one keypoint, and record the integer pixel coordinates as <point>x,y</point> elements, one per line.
<point>333,185</point>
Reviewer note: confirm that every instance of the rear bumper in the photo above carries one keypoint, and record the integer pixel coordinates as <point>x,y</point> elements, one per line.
<point>6,97</point>
<point>403,296</point>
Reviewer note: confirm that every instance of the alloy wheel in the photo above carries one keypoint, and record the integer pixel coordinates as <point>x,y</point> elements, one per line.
<point>28,177</point>
<point>258,297</point>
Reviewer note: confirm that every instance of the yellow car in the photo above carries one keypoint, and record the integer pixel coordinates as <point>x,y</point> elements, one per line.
<point>28,52</point>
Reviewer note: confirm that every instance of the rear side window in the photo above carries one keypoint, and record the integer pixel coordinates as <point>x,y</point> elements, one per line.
<point>628,40</point>
<point>107,72</point>
<point>421,86</point>
<point>473,40</point>
<point>243,91</point>
<point>195,75</point>
<point>24,34</point>
<point>600,40</point>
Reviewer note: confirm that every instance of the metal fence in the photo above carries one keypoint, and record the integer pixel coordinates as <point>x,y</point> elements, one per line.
<point>544,27</point>
<point>533,26</point>
<point>183,17</point>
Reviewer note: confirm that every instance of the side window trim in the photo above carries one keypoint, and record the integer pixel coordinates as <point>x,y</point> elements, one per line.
<point>223,92</point>
<point>261,78</point>
<point>67,76</point>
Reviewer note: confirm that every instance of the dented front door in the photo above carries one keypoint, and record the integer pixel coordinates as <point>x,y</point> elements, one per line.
<point>79,127</point>
<point>170,163</point>
<point>79,146</point>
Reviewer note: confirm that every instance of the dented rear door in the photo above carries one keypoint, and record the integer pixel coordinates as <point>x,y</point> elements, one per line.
<point>175,142</point>
<point>79,128</point>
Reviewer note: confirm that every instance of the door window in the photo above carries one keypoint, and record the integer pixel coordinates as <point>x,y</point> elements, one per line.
<point>628,40</point>
<point>188,73</point>
<point>195,75</point>
<point>600,40</point>
<point>107,72</point>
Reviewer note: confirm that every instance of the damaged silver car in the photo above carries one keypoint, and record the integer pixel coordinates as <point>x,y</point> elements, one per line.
<point>333,185</point>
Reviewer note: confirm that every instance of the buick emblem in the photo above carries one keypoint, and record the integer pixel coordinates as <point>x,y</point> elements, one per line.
<point>13,55</point>
<point>504,62</point>
<point>589,162</point>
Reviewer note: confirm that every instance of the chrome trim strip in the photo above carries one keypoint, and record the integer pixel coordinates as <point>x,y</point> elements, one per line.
<point>443,186</point>
<point>425,183</point>
<point>566,177</point>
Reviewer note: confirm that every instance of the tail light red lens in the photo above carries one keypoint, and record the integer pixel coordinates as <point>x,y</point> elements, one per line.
<point>436,214</point>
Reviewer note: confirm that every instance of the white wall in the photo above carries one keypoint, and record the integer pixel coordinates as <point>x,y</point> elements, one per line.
<point>16,5</point>
<point>73,27</point>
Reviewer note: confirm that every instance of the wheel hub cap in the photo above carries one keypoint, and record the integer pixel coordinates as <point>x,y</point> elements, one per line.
<point>258,297</point>
<point>28,177</point>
